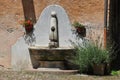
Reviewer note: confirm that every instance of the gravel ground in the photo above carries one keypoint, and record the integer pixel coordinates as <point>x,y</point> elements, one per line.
<point>35,75</point>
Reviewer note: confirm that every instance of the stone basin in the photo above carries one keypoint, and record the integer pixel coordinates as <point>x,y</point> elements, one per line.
<point>49,57</point>
<point>44,47</point>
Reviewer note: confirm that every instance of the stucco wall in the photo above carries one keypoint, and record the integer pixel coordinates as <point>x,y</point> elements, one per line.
<point>11,12</point>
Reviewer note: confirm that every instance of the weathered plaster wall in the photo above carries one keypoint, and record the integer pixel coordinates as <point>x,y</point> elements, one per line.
<point>11,12</point>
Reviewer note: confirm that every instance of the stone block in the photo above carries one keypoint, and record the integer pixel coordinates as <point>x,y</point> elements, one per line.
<point>51,54</point>
<point>52,64</point>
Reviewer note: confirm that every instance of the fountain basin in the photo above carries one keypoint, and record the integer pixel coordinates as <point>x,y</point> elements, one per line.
<point>49,57</point>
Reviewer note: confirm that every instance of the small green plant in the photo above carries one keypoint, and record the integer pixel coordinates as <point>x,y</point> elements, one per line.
<point>80,29</point>
<point>115,73</point>
<point>82,56</point>
<point>100,55</point>
<point>87,54</point>
<point>77,24</point>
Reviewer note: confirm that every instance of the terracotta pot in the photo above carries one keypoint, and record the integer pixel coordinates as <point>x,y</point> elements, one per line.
<point>81,31</point>
<point>29,28</point>
<point>99,69</point>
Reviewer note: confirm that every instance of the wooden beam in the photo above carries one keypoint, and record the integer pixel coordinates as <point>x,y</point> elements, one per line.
<point>105,21</point>
<point>29,10</point>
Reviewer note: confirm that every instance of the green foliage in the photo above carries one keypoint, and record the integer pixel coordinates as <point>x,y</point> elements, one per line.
<point>115,73</point>
<point>87,53</point>
<point>100,55</point>
<point>77,24</point>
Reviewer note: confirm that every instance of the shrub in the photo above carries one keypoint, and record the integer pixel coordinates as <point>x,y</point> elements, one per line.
<point>88,53</point>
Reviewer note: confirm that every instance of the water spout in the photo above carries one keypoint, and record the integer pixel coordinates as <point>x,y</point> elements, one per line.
<point>53,36</point>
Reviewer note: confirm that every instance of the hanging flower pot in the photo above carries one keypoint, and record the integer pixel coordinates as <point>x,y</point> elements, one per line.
<point>80,29</point>
<point>28,25</point>
<point>28,28</point>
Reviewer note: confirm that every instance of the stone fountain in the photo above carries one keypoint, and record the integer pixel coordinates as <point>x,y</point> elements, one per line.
<point>52,56</point>
<point>50,44</point>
